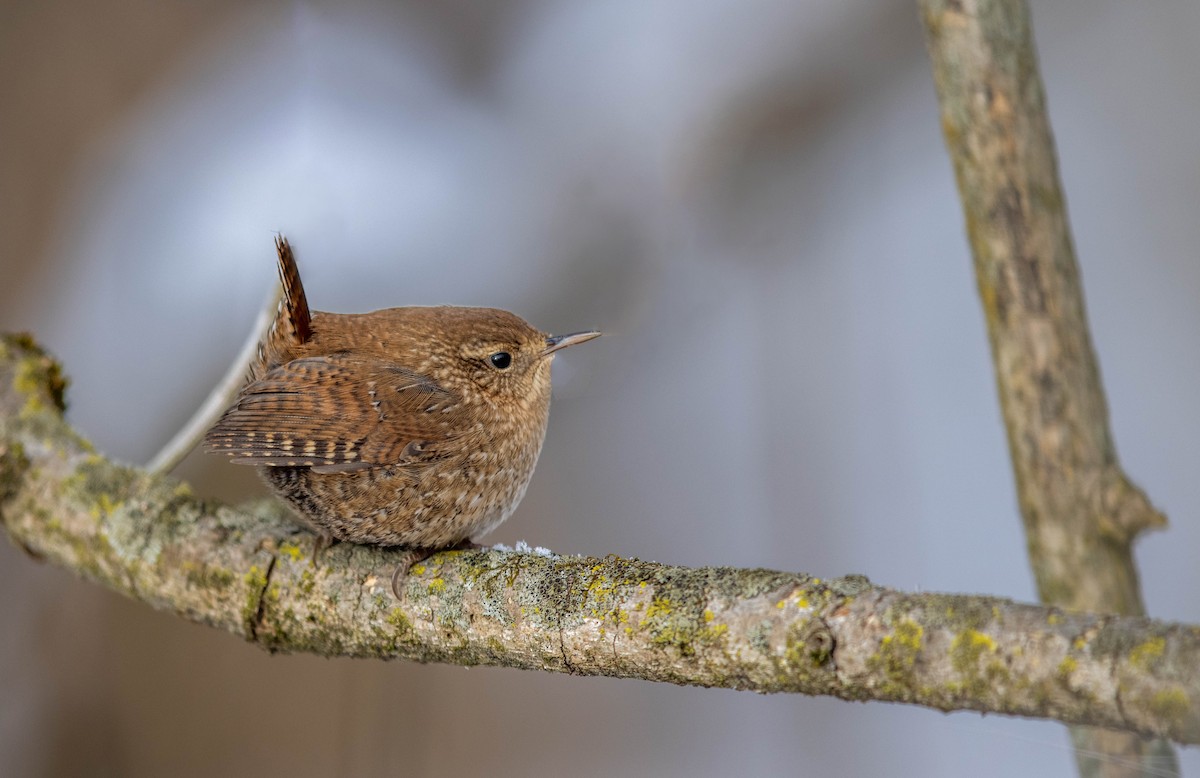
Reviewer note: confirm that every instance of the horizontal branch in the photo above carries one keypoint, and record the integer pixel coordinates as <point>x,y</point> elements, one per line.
<point>251,572</point>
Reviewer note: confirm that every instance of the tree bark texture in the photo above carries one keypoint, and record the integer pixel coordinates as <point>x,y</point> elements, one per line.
<point>1081,512</point>
<point>251,571</point>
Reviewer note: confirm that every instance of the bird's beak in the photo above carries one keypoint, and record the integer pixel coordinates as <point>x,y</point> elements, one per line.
<point>556,342</point>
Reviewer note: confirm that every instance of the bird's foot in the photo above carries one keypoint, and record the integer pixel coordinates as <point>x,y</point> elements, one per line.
<point>322,544</point>
<point>408,558</point>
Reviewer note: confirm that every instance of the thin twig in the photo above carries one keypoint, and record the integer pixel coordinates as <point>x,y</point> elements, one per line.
<point>221,396</point>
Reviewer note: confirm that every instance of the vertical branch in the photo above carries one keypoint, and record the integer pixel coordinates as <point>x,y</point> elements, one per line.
<point>1081,513</point>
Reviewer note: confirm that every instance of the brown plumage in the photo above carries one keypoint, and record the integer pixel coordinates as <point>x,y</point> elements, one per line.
<point>414,427</point>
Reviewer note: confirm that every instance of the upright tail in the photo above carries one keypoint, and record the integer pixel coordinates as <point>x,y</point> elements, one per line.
<point>292,326</point>
<point>294,317</point>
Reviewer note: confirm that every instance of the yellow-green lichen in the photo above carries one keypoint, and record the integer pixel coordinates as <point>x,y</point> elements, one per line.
<point>1144,655</point>
<point>967,651</point>
<point>714,631</point>
<point>965,612</point>
<point>105,505</point>
<point>793,651</point>
<point>897,655</point>
<point>290,550</point>
<point>659,607</point>
<point>1067,666</point>
<point>256,583</point>
<point>13,466</point>
<point>807,647</point>
<point>599,593</point>
<point>255,579</point>
<point>34,374</point>
<point>1170,705</point>
<point>403,632</point>
<point>967,648</point>
<point>680,627</point>
<point>206,577</point>
<point>99,486</point>
<point>398,620</point>
<point>308,581</point>
<point>798,599</point>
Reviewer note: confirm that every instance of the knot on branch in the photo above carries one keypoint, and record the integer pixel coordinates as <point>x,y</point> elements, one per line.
<point>33,381</point>
<point>1122,509</point>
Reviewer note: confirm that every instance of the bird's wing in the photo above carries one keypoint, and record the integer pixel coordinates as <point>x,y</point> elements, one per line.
<point>338,413</point>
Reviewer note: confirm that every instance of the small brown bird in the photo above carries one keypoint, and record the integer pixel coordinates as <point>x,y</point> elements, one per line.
<point>416,427</point>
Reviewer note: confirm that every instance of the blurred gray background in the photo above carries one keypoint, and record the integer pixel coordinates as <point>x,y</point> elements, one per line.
<point>750,196</point>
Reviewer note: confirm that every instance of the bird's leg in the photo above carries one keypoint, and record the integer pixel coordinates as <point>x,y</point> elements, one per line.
<point>412,556</point>
<point>324,541</point>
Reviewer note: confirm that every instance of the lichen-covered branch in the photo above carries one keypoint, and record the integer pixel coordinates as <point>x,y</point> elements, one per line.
<point>251,572</point>
<point>1081,512</point>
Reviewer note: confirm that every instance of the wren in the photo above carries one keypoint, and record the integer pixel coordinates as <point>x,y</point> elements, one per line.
<point>416,427</point>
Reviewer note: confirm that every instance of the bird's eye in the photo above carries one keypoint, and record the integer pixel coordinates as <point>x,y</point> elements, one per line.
<point>501,360</point>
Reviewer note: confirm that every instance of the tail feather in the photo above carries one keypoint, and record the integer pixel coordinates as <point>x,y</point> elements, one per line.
<point>295,315</point>
<point>292,326</point>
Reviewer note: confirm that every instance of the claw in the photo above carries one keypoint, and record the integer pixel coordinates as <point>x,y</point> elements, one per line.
<point>408,558</point>
<point>320,545</point>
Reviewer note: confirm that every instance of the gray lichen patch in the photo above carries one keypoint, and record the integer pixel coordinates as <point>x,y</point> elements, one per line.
<point>965,612</point>
<point>850,585</point>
